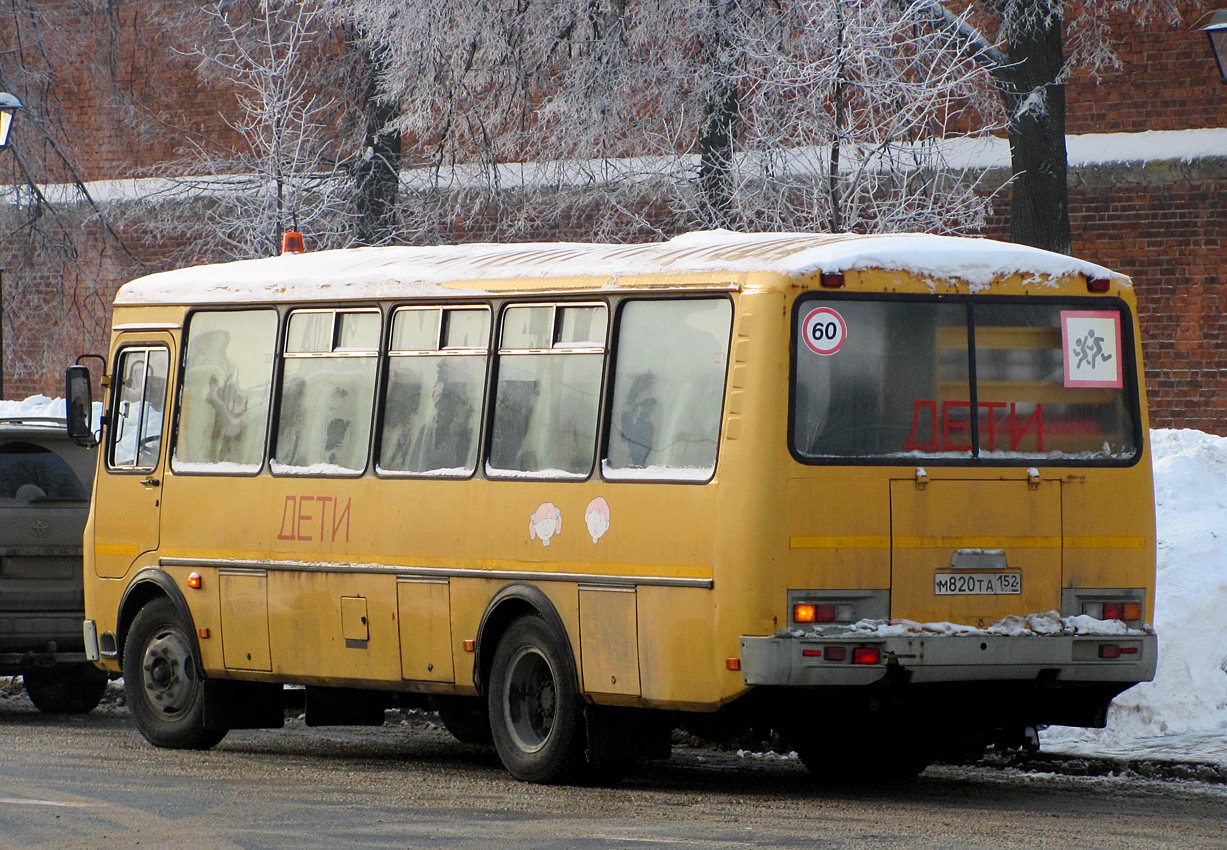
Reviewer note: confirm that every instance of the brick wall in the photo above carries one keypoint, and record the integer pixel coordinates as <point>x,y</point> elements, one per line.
<point>1167,228</point>
<point>1167,80</point>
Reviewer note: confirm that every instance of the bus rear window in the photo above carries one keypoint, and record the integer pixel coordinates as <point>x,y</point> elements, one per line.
<point>963,381</point>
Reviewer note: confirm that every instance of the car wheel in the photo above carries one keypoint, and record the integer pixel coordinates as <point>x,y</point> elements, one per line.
<point>66,688</point>
<point>164,690</point>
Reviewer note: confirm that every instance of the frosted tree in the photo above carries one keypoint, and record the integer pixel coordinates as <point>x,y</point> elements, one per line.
<point>626,118</point>
<point>1030,47</point>
<point>57,239</point>
<point>283,164</point>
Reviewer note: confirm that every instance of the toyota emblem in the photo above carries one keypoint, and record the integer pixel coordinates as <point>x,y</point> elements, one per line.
<point>40,529</point>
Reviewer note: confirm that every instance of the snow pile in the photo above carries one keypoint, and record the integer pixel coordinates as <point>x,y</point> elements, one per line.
<point>1189,693</point>
<point>402,271</point>
<point>1032,625</point>
<point>34,407</point>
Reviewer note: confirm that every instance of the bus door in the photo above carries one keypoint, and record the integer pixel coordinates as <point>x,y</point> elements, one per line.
<point>130,483</point>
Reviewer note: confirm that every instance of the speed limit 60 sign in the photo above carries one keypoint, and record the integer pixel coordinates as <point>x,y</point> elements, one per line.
<point>824,330</point>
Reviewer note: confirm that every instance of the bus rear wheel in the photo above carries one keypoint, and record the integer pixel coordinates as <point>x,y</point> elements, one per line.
<point>164,690</point>
<point>535,713</point>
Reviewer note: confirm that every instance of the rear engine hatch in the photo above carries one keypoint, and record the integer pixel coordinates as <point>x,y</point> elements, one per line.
<point>973,552</point>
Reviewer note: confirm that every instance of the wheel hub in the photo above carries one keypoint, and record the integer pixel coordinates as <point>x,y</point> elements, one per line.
<point>531,699</point>
<point>169,678</point>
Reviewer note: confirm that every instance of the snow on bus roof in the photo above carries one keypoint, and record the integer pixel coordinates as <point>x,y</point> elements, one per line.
<point>415,271</point>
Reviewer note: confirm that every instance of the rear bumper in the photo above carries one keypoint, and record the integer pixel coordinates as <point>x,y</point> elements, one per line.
<point>804,660</point>
<point>40,631</point>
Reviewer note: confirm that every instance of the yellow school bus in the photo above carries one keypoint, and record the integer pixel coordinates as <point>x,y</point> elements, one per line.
<point>884,495</point>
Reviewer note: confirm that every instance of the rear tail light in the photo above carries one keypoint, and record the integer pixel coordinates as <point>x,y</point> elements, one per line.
<point>821,612</point>
<point>832,280</point>
<point>1109,650</point>
<point>866,655</point>
<point>836,653</point>
<point>1098,284</point>
<point>1123,609</point>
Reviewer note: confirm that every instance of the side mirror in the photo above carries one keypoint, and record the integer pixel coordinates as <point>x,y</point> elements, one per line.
<point>80,403</point>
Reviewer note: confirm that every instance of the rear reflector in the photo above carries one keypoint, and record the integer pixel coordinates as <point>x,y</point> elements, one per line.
<point>866,655</point>
<point>812,653</point>
<point>836,653</point>
<point>1109,650</point>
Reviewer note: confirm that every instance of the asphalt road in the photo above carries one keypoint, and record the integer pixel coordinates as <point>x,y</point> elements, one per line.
<point>93,782</point>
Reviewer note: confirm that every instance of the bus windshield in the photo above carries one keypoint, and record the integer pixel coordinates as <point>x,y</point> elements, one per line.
<point>894,378</point>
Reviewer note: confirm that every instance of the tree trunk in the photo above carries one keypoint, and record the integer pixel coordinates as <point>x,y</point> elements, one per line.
<point>1035,100</point>
<point>717,138</point>
<point>377,172</point>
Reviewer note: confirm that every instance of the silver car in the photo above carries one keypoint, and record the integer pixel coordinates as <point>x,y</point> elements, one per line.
<point>45,483</point>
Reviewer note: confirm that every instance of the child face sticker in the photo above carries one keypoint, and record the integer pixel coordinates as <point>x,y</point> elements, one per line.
<point>544,523</point>
<point>596,515</point>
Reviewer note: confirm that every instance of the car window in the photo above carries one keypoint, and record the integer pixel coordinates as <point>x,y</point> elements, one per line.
<point>29,472</point>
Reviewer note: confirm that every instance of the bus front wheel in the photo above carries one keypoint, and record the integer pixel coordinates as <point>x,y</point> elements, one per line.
<point>535,712</point>
<point>161,683</point>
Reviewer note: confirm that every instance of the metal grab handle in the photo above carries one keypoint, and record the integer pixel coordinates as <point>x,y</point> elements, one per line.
<point>150,482</point>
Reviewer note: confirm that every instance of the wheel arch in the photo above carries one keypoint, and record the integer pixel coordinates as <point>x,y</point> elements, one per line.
<point>150,584</point>
<point>510,603</point>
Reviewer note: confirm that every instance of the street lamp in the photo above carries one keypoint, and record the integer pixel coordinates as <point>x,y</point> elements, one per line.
<point>1217,31</point>
<point>9,104</point>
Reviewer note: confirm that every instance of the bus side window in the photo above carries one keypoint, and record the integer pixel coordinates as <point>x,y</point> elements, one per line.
<point>668,389</point>
<point>433,398</point>
<point>228,370</point>
<point>327,391</point>
<point>548,390</point>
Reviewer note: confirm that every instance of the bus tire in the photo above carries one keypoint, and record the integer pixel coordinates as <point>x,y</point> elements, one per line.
<point>161,683</point>
<point>66,688</point>
<point>535,713</point>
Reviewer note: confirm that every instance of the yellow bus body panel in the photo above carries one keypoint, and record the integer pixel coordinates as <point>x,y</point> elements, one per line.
<point>383,582</point>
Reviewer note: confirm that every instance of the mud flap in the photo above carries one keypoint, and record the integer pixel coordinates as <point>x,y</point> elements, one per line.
<point>345,706</point>
<point>618,734</point>
<point>243,705</point>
